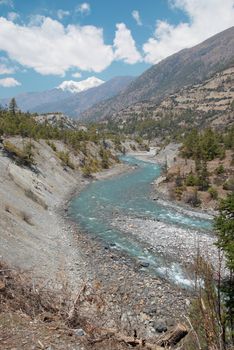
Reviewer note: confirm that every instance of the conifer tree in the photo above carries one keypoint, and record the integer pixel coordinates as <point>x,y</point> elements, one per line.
<point>12,106</point>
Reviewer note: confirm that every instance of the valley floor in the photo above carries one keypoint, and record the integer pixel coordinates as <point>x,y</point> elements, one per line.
<point>38,236</point>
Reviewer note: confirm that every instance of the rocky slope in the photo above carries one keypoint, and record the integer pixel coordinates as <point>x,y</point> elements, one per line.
<point>210,103</point>
<point>31,233</point>
<point>185,68</point>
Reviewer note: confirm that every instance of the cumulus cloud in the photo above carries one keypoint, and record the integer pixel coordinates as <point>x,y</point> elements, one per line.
<point>125,46</point>
<point>84,8</point>
<point>51,48</point>
<point>62,13</point>
<point>136,16</point>
<point>5,68</point>
<point>76,75</point>
<point>205,18</point>
<point>9,82</point>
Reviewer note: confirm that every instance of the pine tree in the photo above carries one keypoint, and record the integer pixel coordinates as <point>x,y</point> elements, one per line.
<point>13,106</point>
<point>225,227</point>
<point>203,178</point>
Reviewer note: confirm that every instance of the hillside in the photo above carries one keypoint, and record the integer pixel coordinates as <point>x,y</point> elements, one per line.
<point>207,104</point>
<point>202,172</point>
<point>185,68</point>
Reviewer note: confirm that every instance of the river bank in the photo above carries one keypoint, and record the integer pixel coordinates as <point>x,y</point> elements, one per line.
<point>176,244</point>
<point>151,302</point>
<point>49,244</point>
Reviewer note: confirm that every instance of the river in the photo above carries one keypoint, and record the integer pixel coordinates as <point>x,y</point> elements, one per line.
<point>102,202</point>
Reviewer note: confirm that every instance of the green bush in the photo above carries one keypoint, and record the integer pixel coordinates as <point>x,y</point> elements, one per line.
<point>220,169</point>
<point>65,158</point>
<point>23,156</point>
<point>213,193</point>
<point>52,145</point>
<point>229,185</point>
<point>87,171</point>
<point>191,180</point>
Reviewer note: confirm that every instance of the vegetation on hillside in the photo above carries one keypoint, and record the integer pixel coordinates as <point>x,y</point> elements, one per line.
<point>15,123</point>
<point>204,169</point>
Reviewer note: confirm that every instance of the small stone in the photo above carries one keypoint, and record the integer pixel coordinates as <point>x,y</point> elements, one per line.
<point>160,326</point>
<point>79,332</point>
<point>144,264</point>
<point>151,310</point>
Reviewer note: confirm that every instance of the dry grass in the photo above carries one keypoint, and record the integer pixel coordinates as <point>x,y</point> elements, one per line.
<point>35,316</point>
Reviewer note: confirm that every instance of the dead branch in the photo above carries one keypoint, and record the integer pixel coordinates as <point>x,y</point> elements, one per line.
<point>173,336</point>
<point>168,339</point>
<point>72,314</point>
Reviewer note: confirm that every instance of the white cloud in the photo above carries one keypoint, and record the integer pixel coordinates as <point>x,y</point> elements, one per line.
<point>51,48</point>
<point>62,13</point>
<point>9,82</point>
<point>5,68</point>
<point>13,16</point>
<point>7,3</point>
<point>206,18</point>
<point>124,44</point>
<point>84,8</point>
<point>76,75</point>
<point>136,16</point>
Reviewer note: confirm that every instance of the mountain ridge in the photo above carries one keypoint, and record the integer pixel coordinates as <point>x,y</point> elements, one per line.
<point>186,67</point>
<point>57,100</point>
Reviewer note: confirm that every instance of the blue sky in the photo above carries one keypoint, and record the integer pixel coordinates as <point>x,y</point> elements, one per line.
<point>44,42</point>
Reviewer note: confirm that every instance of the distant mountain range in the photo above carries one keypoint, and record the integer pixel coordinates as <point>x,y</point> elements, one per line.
<point>185,68</point>
<point>71,97</point>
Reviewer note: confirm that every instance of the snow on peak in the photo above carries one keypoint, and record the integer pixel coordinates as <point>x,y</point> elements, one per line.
<point>78,86</point>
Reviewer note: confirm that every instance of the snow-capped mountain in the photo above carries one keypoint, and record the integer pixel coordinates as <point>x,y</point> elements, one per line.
<point>67,102</point>
<point>78,86</point>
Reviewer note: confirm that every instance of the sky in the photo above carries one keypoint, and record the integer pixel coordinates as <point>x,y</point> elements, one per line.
<point>46,42</point>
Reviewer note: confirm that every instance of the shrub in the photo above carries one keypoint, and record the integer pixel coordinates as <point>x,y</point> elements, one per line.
<point>193,199</point>
<point>178,192</point>
<point>191,180</point>
<point>65,158</point>
<point>87,171</point>
<point>23,156</point>
<point>213,193</point>
<point>220,169</point>
<point>52,145</point>
<point>229,185</point>
<point>104,154</point>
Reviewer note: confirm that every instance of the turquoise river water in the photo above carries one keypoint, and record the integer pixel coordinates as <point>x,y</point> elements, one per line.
<point>129,195</point>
